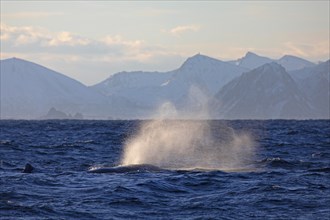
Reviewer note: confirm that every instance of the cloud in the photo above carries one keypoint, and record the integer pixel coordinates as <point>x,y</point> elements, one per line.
<point>316,50</point>
<point>118,40</point>
<point>296,49</point>
<point>88,59</point>
<point>27,36</point>
<point>179,30</point>
<point>32,39</point>
<point>67,38</point>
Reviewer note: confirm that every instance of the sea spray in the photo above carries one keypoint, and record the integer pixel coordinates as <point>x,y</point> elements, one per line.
<point>172,143</point>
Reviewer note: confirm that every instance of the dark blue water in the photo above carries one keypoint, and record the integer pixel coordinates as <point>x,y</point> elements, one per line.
<point>291,179</point>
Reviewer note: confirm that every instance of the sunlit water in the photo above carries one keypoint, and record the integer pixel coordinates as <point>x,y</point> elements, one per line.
<point>219,170</point>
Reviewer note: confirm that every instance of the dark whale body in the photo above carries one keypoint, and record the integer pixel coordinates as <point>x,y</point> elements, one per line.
<point>118,169</point>
<point>127,169</point>
<point>28,168</point>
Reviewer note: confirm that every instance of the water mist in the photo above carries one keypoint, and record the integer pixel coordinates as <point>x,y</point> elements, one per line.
<point>172,143</point>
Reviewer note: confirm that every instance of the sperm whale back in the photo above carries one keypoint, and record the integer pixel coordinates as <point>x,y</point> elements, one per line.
<point>127,169</point>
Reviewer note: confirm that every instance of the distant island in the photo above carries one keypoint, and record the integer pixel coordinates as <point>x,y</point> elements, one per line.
<point>56,114</point>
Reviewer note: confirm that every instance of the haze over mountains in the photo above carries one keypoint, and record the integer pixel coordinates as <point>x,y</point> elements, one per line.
<point>252,87</point>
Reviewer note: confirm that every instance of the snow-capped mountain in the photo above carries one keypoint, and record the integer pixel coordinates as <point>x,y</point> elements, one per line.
<point>142,88</point>
<point>199,73</point>
<point>315,84</point>
<point>289,62</point>
<point>251,61</point>
<point>267,92</point>
<point>29,90</point>
<point>205,72</point>
<point>197,81</point>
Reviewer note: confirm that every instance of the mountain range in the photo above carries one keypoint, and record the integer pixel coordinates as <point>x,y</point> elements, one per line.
<point>252,87</point>
<point>265,92</point>
<point>290,63</point>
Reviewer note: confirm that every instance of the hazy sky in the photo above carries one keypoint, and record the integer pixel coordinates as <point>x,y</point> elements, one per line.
<point>89,40</point>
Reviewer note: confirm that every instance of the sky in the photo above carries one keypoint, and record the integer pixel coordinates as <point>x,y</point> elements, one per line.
<point>90,40</point>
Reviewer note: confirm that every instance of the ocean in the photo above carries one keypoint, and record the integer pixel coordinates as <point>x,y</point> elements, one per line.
<point>241,169</point>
